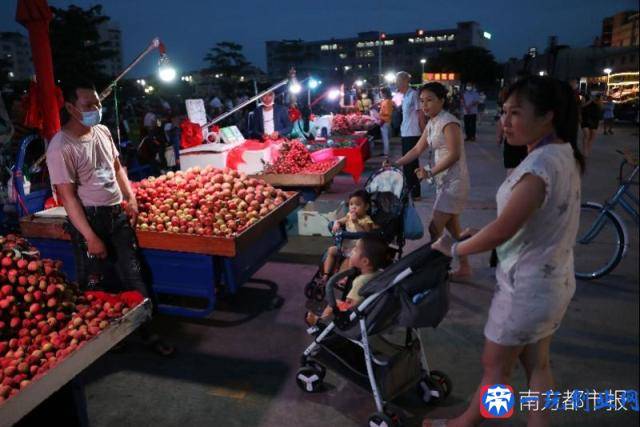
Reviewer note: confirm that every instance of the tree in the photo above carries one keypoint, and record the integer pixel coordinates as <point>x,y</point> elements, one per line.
<point>227,63</point>
<point>475,64</point>
<point>226,58</point>
<point>76,46</point>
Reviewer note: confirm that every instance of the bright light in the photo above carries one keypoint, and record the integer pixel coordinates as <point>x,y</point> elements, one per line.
<point>487,35</point>
<point>359,83</point>
<point>295,88</point>
<point>167,73</point>
<point>542,73</point>
<point>390,77</point>
<point>423,61</point>
<point>333,94</point>
<point>11,75</point>
<point>607,70</point>
<point>141,82</point>
<point>313,83</point>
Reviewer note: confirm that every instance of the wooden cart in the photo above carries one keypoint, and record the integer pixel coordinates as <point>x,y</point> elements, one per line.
<point>183,264</point>
<point>39,390</point>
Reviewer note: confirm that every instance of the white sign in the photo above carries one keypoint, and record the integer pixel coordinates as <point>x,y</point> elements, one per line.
<point>197,114</point>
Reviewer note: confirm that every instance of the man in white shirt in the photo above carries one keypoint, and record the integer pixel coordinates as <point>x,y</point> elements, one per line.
<point>470,101</point>
<point>413,123</point>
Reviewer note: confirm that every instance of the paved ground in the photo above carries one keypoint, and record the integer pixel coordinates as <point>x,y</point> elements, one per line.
<point>237,367</point>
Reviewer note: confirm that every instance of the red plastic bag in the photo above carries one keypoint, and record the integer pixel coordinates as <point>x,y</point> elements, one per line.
<point>191,135</point>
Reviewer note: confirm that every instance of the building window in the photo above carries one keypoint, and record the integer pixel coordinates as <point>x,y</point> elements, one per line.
<point>369,53</point>
<point>375,43</point>
<point>329,47</point>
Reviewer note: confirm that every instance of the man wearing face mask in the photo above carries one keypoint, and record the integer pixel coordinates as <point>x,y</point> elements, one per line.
<point>269,121</point>
<point>92,184</point>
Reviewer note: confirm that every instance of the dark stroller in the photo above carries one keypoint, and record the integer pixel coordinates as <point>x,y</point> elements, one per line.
<point>413,293</point>
<point>389,197</point>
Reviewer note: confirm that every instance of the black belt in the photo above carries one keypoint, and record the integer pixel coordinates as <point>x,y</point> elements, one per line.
<point>103,209</point>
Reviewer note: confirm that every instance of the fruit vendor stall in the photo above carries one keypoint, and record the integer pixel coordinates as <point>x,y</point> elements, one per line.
<point>349,139</point>
<point>50,332</point>
<point>282,163</point>
<point>220,226</point>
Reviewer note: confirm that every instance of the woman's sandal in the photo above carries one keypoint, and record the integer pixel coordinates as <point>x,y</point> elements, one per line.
<point>160,347</point>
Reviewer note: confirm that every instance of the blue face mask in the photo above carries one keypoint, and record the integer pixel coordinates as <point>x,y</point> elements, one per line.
<point>91,118</point>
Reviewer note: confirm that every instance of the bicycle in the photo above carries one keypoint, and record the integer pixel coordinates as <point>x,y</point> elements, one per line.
<point>602,237</point>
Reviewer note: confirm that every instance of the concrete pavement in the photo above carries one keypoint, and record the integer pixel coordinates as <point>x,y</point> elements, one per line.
<point>237,368</point>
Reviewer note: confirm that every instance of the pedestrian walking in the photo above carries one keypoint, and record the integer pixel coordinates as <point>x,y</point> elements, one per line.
<point>535,231</point>
<point>470,101</point>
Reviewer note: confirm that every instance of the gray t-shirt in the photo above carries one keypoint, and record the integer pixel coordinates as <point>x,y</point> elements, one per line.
<point>411,111</point>
<point>88,162</point>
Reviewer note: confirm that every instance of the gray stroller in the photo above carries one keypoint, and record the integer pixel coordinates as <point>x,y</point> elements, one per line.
<point>412,293</point>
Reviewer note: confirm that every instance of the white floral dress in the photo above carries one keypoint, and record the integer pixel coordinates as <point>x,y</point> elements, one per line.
<point>452,185</point>
<point>535,275</point>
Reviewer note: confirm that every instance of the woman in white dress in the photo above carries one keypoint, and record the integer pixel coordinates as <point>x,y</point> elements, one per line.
<point>534,233</point>
<point>446,165</point>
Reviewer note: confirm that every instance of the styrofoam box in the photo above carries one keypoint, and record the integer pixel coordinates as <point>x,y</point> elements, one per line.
<point>314,217</point>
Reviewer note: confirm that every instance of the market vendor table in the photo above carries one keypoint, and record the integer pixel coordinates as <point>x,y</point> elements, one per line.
<point>309,185</point>
<point>183,264</point>
<point>355,156</point>
<point>297,180</point>
<point>18,406</point>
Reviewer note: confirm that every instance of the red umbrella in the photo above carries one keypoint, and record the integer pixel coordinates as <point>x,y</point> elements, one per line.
<point>35,15</point>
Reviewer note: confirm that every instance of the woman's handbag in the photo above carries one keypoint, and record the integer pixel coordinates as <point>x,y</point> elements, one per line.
<point>413,228</point>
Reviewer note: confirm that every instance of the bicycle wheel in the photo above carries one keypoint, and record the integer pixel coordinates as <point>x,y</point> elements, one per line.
<point>600,243</point>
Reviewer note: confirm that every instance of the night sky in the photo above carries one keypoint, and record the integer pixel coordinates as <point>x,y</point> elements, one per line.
<point>189,31</point>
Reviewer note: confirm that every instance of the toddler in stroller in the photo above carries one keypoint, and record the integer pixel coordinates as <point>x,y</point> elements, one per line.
<point>369,255</point>
<point>412,293</point>
<point>378,210</point>
<point>356,220</point>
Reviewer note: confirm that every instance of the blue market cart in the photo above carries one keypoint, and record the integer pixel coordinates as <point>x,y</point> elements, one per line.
<point>182,265</point>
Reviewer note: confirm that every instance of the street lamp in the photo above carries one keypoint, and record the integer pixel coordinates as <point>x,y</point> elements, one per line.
<point>390,77</point>
<point>359,83</point>
<point>607,71</point>
<point>295,88</point>
<point>422,62</point>
<point>333,94</point>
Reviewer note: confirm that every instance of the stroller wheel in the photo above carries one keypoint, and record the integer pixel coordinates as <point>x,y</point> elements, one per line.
<point>430,390</point>
<point>309,379</point>
<point>309,289</point>
<point>383,420</point>
<point>444,381</point>
<point>320,369</point>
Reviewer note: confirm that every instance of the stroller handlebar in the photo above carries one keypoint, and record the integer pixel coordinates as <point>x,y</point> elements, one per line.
<point>330,296</point>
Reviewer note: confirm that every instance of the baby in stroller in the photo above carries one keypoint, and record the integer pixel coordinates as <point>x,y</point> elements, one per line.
<point>369,255</point>
<point>356,220</point>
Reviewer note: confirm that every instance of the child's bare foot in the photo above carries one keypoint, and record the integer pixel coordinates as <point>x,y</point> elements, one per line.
<point>311,319</point>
